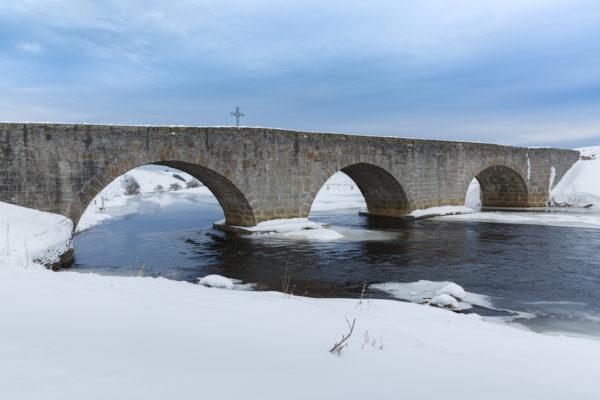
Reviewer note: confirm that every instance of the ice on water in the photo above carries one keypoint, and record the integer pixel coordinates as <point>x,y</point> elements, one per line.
<point>426,291</point>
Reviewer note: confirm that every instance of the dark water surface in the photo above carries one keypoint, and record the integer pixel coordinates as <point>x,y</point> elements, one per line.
<point>551,272</point>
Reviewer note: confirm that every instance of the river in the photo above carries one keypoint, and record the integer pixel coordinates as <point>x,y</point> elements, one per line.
<point>546,278</point>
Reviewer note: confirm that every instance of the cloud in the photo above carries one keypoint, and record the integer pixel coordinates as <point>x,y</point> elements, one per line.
<point>30,47</point>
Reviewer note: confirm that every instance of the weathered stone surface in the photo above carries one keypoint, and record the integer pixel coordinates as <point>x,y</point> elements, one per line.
<point>260,174</point>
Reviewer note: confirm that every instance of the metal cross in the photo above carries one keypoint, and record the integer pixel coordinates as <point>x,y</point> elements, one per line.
<point>237,114</point>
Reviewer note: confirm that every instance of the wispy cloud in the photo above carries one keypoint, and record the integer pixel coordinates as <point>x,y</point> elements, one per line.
<point>30,47</point>
<point>512,71</point>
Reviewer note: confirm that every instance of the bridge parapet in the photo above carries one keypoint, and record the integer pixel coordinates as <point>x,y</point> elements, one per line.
<point>260,174</point>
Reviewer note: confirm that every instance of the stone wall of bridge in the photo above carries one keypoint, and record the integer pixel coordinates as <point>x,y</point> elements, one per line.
<point>260,174</point>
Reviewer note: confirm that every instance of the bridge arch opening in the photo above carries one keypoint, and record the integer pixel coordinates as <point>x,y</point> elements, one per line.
<point>339,192</point>
<point>497,186</point>
<point>236,206</point>
<point>176,175</point>
<point>381,193</point>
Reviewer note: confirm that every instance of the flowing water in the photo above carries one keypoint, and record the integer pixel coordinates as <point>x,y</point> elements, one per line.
<point>550,275</point>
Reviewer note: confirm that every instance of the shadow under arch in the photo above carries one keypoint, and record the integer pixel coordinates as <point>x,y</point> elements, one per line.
<point>235,205</point>
<point>382,192</point>
<point>501,186</point>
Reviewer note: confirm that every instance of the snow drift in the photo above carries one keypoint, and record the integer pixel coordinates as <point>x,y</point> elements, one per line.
<point>580,187</point>
<point>30,236</point>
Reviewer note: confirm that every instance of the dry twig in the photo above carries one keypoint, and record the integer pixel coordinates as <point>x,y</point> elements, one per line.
<point>285,282</point>
<point>362,293</point>
<point>339,346</point>
<point>140,271</point>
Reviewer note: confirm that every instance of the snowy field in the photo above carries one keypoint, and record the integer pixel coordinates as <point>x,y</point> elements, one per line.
<point>73,335</point>
<point>84,336</point>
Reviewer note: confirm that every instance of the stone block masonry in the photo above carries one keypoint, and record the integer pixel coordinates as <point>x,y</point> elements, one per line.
<point>260,174</point>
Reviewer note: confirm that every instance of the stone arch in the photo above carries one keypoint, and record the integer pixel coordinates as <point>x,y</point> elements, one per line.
<point>383,193</point>
<point>238,207</point>
<point>502,186</point>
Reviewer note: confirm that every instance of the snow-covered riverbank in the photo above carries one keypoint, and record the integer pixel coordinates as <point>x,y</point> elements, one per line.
<point>580,187</point>
<point>27,236</point>
<point>72,336</point>
<point>567,217</point>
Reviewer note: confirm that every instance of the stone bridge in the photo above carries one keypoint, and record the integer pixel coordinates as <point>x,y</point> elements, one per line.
<point>259,174</point>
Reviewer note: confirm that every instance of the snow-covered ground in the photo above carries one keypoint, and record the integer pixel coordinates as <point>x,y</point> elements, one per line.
<point>82,336</point>
<point>580,186</point>
<point>590,153</point>
<point>28,235</point>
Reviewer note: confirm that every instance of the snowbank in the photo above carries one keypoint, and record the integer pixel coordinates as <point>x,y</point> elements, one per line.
<point>216,281</point>
<point>580,186</point>
<point>574,218</point>
<point>444,300</point>
<point>443,210</point>
<point>453,290</point>
<point>293,228</point>
<point>28,236</point>
<point>221,282</point>
<point>283,225</point>
<point>83,336</point>
<point>425,291</point>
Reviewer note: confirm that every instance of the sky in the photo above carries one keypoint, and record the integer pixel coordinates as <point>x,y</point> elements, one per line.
<point>518,72</point>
